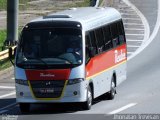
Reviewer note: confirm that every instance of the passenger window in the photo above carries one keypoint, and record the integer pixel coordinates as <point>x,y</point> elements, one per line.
<point>114,32</point>
<point>107,38</point>
<point>121,32</point>
<point>100,40</point>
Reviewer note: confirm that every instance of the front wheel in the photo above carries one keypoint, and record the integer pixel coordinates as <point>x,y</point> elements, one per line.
<point>87,105</point>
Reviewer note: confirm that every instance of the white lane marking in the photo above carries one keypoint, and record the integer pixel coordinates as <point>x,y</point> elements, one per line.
<point>132,17</point>
<point>135,34</point>
<point>140,24</point>
<point>134,29</point>
<point>13,104</point>
<point>121,7</point>
<point>128,18</point>
<point>123,108</point>
<point>7,87</point>
<point>132,46</point>
<point>127,13</point>
<point>129,40</point>
<point>153,35</point>
<point>129,52</point>
<point>6,95</point>
<point>146,28</point>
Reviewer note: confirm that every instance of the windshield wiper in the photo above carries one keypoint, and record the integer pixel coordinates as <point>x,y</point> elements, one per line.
<point>42,61</point>
<point>38,59</point>
<point>70,62</point>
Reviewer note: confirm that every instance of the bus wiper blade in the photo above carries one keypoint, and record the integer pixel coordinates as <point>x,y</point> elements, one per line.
<point>42,61</point>
<point>38,59</point>
<point>70,62</point>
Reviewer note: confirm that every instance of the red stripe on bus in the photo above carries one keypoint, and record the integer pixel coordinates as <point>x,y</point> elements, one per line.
<point>106,60</point>
<point>48,74</point>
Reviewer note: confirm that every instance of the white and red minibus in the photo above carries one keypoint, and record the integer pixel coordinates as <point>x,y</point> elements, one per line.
<point>74,55</point>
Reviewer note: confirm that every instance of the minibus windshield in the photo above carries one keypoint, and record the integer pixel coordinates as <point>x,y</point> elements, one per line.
<point>53,46</point>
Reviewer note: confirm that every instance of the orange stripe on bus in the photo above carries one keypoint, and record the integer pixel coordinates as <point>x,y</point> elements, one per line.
<point>104,61</point>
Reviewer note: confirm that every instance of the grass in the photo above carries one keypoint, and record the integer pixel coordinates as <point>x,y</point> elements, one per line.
<point>3,4</point>
<point>3,35</point>
<point>3,63</point>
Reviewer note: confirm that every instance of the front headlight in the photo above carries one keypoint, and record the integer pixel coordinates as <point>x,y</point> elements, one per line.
<point>22,82</point>
<point>75,81</point>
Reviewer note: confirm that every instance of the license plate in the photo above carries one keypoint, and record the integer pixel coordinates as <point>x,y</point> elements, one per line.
<point>47,90</point>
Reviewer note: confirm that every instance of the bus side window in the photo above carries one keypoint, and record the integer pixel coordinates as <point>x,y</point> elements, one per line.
<point>87,47</point>
<point>100,40</point>
<point>107,38</point>
<point>93,41</point>
<point>121,32</point>
<point>114,32</point>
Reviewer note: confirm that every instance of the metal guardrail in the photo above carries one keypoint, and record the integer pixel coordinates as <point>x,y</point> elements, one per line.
<point>4,54</point>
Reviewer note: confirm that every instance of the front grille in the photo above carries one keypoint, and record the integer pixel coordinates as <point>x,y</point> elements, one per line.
<point>47,88</point>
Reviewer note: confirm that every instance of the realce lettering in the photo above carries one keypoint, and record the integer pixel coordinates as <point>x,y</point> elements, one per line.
<point>46,75</point>
<point>119,56</point>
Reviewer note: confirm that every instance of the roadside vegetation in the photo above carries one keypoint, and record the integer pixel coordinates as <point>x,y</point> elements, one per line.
<point>3,3</point>
<point>2,38</point>
<point>3,63</point>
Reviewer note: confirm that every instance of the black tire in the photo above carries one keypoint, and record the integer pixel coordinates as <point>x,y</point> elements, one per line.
<point>112,92</point>
<point>87,105</point>
<point>24,107</point>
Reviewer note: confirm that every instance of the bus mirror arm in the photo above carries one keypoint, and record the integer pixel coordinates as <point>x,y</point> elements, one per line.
<point>10,51</point>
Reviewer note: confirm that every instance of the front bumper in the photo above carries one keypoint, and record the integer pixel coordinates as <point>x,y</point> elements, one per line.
<point>24,94</point>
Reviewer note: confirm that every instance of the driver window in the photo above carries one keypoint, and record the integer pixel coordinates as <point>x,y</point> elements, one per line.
<point>88,45</point>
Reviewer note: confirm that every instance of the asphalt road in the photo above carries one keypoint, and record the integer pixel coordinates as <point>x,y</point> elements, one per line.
<point>148,9</point>
<point>139,94</point>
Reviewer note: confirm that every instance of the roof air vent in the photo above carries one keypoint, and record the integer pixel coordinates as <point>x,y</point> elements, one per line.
<point>72,8</point>
<point>101,8</point>
<point>57,16</point>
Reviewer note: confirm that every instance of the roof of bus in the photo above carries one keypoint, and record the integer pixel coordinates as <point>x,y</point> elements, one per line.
<point>89,17</point>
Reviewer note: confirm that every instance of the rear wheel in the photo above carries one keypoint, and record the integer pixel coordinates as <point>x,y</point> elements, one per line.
<point>112,92</point>
<point>24,107</point>
<point>87,105</point>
